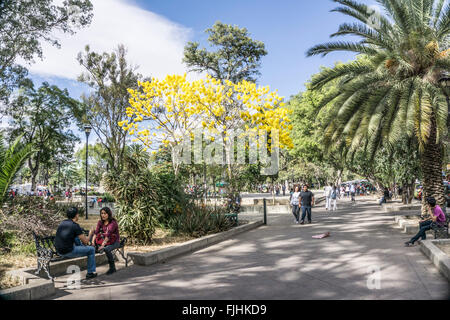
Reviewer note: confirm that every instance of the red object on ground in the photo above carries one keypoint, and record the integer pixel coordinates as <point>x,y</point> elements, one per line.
<point>321,236</point>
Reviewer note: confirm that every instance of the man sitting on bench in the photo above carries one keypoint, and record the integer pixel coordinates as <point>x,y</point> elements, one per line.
<point>69,237</point>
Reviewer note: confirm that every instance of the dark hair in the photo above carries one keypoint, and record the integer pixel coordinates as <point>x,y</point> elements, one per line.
<point>72,212</point>
<point>431,201</point>
<point>108,211</point>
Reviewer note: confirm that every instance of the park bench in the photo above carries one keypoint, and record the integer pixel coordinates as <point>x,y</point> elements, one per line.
<point>46,252</point>
<point>233,217</point>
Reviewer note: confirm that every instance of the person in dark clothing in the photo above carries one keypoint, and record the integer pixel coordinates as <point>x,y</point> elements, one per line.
<point>385,197</point>
<point>69,239</point>
<point>106,236</point>
<point>307,202</point>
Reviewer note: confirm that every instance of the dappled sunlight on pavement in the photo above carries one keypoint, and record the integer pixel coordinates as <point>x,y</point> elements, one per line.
<point>283,261</point>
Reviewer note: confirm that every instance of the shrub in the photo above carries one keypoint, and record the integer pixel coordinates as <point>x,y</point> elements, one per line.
<point>199,221</point>
<point>25,215</point>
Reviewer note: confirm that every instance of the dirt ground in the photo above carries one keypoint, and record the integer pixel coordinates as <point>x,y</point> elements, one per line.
<point>8,261</point>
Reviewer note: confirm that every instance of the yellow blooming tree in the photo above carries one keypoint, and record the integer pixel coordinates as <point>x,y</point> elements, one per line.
<point>167,111</point>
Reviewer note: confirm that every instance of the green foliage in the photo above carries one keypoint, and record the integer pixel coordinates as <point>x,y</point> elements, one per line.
<point>391,92</point>
<point>237,57</point>
<point>110,76</point>
<point>24,24</point>
<point>42,117</point>
<point>11,160</point>
<point>143,197</point>
<point>199,221</point>
<point>23,216</point>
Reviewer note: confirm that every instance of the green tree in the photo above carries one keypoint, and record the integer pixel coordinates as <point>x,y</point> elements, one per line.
<point>237,58</point>
<point>42,116</point>
<point>11,160</point>
<point>110,76</point>
<point>392,90</point>
<point>25,24</point>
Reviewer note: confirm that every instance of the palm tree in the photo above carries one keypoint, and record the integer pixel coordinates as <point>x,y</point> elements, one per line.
<point>11,160</point>
<point>392,89</point>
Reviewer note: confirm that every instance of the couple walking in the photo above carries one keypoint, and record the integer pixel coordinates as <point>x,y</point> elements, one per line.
<point>331,195</point>
<point>305,199</point>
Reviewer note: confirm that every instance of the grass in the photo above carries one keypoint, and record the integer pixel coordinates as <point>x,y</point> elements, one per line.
<point>12,261</point>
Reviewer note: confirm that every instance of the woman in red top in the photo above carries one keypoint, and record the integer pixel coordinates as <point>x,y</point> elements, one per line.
<point>107,236</point>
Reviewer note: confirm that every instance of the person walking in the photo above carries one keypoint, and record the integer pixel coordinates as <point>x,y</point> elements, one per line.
<point>328,189</point>
<point>353,193</point>
<point>334,195</point>
<point>295,204</point>
<point>307,202</point>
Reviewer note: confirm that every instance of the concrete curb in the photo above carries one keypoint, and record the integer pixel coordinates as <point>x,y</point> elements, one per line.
<point>406,224</point>
<point>34,287</point>
<point>149,258</point>
<point>394,208</point>
<point>439,258</point>
<point>34,291</point>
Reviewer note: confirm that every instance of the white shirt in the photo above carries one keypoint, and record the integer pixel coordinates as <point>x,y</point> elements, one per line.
<point>295,198</point>
<point>328,191</point>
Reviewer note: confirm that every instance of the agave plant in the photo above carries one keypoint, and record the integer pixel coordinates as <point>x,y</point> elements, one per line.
<point>11,160</point>
<point>392,89</point>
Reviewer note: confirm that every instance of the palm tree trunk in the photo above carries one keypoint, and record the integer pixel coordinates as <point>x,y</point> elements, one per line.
<point>431,162</point>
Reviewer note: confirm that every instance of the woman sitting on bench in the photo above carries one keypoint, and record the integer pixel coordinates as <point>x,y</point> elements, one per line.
<point>106,236</point>
<point>436,216</point>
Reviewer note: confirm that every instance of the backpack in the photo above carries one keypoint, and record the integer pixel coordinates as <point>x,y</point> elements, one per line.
<point>333,195</point>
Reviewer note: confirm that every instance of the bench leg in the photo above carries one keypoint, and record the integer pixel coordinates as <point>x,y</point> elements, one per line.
<point>39,267</point>
<point>122,253</point>
<point>44,263</point>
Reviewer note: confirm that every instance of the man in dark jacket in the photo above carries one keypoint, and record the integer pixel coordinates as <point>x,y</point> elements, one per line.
<point>69,237</point>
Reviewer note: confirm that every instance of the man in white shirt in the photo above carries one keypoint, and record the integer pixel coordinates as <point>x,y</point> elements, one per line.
<point>328,190</point>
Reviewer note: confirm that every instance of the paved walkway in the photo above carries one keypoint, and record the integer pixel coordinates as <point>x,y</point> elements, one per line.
<point>282,261</point>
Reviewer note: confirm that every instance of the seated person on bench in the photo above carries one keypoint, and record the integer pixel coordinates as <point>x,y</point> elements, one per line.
<point>436,215</point>
<point>106,236</point>
<point>69,237</point>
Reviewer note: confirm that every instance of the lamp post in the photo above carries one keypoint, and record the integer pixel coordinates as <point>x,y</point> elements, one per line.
<point>87,130</point>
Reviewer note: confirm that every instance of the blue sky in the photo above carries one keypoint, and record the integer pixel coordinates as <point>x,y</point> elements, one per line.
<point>155,31</point>
<point>288,28</point>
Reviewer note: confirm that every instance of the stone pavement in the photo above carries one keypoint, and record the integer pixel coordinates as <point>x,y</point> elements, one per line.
<point>283,261</point>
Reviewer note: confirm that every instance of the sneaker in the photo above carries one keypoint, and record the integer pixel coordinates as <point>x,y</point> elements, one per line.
<point>309,222</point>
<point>303,222</point>
<point>91,275</point>
<point>409,244</point>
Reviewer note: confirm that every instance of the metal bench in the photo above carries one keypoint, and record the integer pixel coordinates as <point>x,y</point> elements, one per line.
<point>46,252</point>
<point>233,217</point>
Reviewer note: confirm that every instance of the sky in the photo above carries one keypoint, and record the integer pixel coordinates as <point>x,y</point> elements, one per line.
<point>156,31</point>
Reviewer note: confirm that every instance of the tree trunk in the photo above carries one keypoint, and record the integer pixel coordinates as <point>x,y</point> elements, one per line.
<point>431,163</point>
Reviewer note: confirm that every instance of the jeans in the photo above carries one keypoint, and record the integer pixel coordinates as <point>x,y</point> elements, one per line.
<point>296,211</point>
<point>334,201</point>
<point>327,203</point>
<point>424,227</point>
<point>305,210</point>
<point>80,250</point>
<point>383,200</point>
<point>110,248</point>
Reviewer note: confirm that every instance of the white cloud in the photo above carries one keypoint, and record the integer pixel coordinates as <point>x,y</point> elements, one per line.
<point>154,43</point>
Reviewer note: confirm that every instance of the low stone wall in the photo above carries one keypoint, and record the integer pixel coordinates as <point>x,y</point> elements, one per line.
<point>436,255</point>
<point>38,286</point>
<point>149,258</point>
